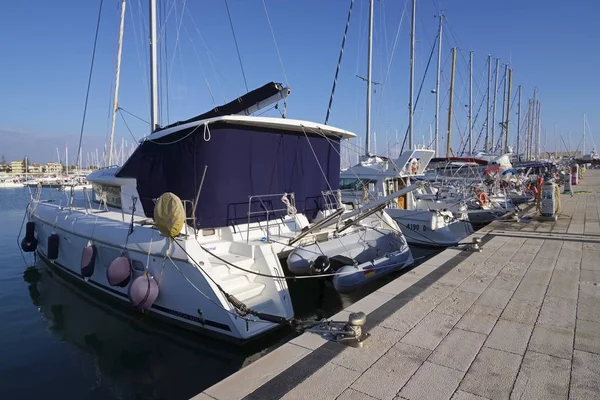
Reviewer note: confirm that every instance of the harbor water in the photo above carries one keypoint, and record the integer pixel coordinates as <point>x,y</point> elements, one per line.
<point>61,341</point>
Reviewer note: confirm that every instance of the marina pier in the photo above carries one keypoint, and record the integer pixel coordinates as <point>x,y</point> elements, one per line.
<point>520,319</point>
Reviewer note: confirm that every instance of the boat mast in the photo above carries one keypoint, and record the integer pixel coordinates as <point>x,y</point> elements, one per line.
<point>369,62</point>
<point>154,117</point>
<point>583,149</point>
<point>494,106</point>
<point>437,86</point>
<point>450,103</point>
<point>519,121</point>
<point>412,76</point>
<point>116,98</point>
<point>489,90</point>
<point>503,121</point>
<point>471,103</point>
<point>534,138</point>
<point>508,109</point>
<point>539,129</point>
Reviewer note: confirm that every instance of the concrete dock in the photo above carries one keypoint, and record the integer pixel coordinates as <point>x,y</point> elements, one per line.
<point>521,320</point>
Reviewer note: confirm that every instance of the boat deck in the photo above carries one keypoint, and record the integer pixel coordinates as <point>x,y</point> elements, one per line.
<point>521,319</point>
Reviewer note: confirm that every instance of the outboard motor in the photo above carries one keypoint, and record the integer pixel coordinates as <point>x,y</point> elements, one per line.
<point>29,242</point>
<point>320,266</point>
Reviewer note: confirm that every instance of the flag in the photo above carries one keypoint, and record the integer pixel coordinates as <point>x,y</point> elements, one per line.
<point>368,273</point>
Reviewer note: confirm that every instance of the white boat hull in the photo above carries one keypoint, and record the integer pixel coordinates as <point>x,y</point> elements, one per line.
<point>202,307</point>
<point>427,228</point>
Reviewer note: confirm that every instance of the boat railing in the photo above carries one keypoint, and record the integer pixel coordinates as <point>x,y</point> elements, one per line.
<point>191,219</point>
<point>287,199</point>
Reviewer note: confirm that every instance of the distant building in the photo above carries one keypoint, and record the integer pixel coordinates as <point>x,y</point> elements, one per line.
<point>18,167</point>
<point>35,169</point>
<point>54,168</point>
<point>4,168</point>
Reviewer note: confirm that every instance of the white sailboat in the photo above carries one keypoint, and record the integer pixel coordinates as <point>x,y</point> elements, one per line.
<point>254,190</point>
<point>11,183</point>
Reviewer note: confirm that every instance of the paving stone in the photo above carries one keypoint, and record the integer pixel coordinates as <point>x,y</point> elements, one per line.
<point>479,319</point>
<point>458,349</point>
<point>436,293</point>
<point>537,276</point>
<point>432,382</point>
<point>564,284</point>
<point>552,340</point>
<point>518,268</point>
<point>476,283</point>
<point>584,376</point>
<point>492,374</point>
<point>351,394</point>
<point>570,262</point>
<point>455,277</point>
<point>391,372</point>
<point>510,336</point>
<point>371,302</point>
<point>520,311</point>
<point>494,298</point>
<point>589,290</point>
<point>320,385</point>
<point>248,380</point>
<point>505,281</point>
<point>431,330</point>
<point>360,359</point>
<point>587,336</point>
<point>530,292</point>
<point>457,303</point>
<point>408,315</point>
<point>589,276</point>
<point>542,377</point>
<point>558,311</point>
<point>461,395</point>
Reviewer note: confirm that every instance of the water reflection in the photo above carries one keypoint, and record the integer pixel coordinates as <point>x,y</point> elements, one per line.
<point>131,355</point>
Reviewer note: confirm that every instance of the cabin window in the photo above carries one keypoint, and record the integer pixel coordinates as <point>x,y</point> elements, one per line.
<point>110,193</point>
<point>355,184</point>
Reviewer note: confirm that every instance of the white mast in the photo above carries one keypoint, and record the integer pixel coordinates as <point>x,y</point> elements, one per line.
<point>369,62</point>
<point>487,119</point>
<point>470,103</point>
<point>437,87</point>
<point>412,76</point>
<point>583,149</point>
<point>494,106</point>
<point>519,122</point>
<point>154,120</point>
<point>116,99</point>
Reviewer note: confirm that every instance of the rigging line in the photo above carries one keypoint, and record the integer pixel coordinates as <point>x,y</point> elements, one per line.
<point>201,67</point>
<point>389,66</point>
<point>133,115</point>
<point>127,125</point>
<point>236,45</point>
<point>337,70</point>
<point>137,48</point>
<point>177,45</point>
<point>209,55</point>
<point>421,86</point>
<point>276,47</point>
<point>89,85</point>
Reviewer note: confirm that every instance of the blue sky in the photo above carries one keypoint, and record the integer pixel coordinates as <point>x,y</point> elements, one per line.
<point>552,45</point>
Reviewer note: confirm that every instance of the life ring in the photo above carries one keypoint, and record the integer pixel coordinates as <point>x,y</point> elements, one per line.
<point>483,200</point>
<point>413,169</point>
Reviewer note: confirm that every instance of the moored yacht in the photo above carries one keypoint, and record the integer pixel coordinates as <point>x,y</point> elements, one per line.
<point>375,177</point>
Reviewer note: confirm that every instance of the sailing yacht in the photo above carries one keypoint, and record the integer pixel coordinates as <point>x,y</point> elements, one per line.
<point>420,224</point>
<point>253,190</point>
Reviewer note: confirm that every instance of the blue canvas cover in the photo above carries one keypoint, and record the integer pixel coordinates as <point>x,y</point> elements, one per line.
<point>242,161</point>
